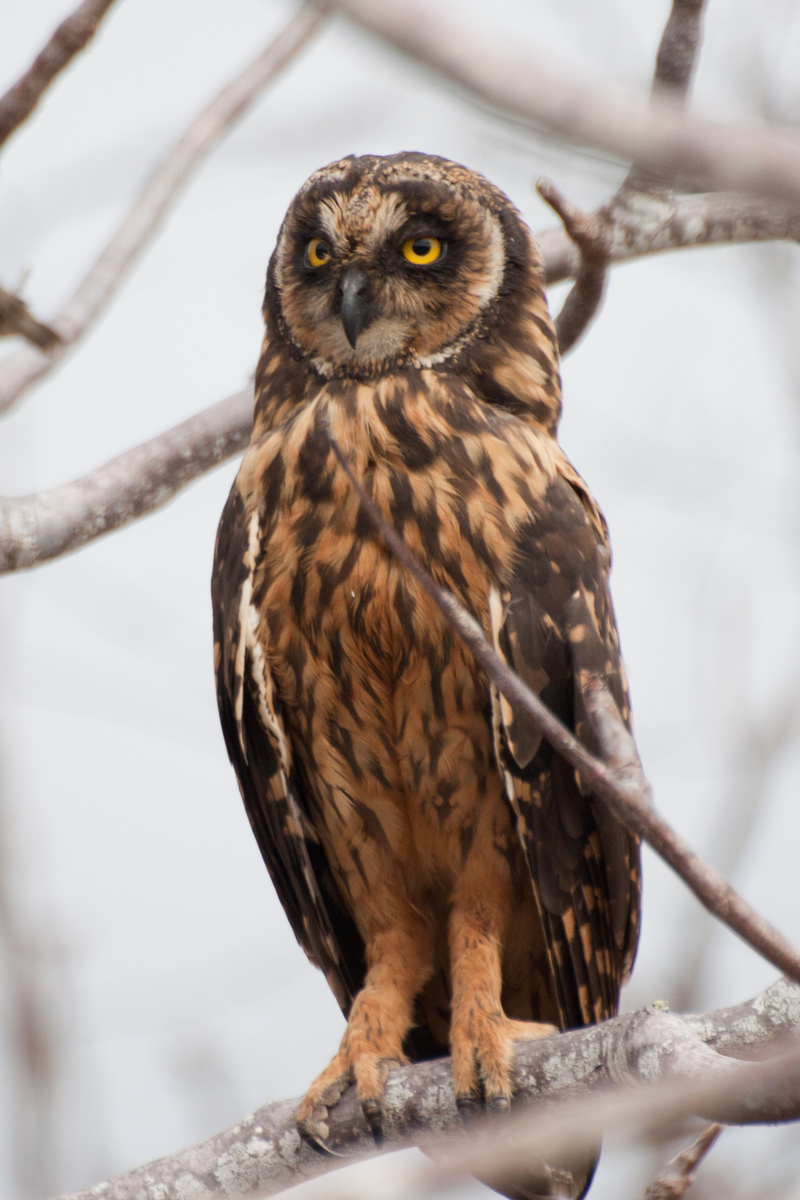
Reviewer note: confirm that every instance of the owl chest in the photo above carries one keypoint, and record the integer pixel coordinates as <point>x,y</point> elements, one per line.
<point>384,707</point>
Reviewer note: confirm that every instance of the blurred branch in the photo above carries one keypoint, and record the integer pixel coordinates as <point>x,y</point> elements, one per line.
<point>667,1068</point>
<point>679,1174</point>
<point>762,161</point>
<point>69,38</point>
<point>758,746</point>
<point>36,528</point>
<point>617,778</point>
<point>31,1030</point>
<point>676,59</point>
<point>19,371</point>
<point>16,318</point>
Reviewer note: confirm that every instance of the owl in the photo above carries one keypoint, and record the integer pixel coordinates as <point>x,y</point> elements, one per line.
<point>435,857</point>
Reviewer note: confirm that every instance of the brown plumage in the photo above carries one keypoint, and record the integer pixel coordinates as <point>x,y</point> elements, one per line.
<point>435,858</point>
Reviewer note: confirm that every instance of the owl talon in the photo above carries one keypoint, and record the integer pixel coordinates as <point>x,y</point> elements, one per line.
<point>498,1104</point>
<point>373,1115</point>
<point>467,1106</point>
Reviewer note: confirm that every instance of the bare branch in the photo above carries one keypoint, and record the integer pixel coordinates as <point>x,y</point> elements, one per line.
<point>69,38</point>
<point>161,191</point>
<point>673,1072</point>
<point>641,225</point>
<point>618,780</point>
<point>590,236</point>
<point>36,528</point>
<point>16,318</point>
<point>679,1174</point>
<point>762,161</point>
<point>677,52</point>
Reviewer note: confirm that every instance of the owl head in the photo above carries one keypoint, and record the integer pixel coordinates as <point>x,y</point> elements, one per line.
<point>408,259</point>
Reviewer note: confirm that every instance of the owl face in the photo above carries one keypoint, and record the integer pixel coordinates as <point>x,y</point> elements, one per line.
<point>389,260</point>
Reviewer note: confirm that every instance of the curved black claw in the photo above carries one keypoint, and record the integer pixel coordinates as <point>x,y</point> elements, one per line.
<point>468,1107</point>
<point>316,1142</point>
<point>373,1115</point>
<point>499,1104</point>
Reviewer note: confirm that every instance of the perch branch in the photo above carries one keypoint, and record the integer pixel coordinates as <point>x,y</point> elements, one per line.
<point>618,780</point>
<point>679,1174</point>
<point>161,190</point>
<point>68,39</point>
<point>762,161</point>
<point>36,528</point>
<point>589,235</point>
<point>666,1059</point>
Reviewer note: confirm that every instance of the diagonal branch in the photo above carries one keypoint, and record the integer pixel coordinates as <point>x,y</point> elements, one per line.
<point>618,780</point>
<point>17,318</point>
<point>69,38</point>
<point>763,161</point>
<point>666,1066</point>
<point>679,1174</point>
<point>36,528</point>
<point>159,193</point>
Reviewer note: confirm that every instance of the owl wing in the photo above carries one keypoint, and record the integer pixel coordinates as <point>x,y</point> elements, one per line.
<point>270,783</point>
<point>555,626</point>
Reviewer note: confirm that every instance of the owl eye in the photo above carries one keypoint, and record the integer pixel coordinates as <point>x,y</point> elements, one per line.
<point>422,250</point>
<point>318,253</point>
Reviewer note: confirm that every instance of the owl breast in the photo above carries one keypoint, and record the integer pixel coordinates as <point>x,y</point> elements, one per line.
<point>389,717</point>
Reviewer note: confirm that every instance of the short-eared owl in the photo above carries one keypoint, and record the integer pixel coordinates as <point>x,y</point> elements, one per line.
<point>435,857</point>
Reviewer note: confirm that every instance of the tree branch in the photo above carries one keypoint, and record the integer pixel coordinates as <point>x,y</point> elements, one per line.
<point>648,1049</point>
<point>69,38</point>
<point>16,318</point>
<point>676,59</point>
<point>589,234</point>
<point>36,528</point>
<point>679,1174</point>
<point>762,161</point>
<point>161,190</point>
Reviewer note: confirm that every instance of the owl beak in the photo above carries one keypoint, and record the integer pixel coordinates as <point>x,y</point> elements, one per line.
<point>354,308</point>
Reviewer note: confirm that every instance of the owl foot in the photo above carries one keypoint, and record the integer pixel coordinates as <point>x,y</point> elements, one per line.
<point>368,1071</point>
<point>482,1047</point>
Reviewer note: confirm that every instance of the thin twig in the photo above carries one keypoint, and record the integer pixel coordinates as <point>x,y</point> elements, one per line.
<point>590,235</point>
<point>618,780</point>
<point>69,38</point>
<point>679,1174</point>
<point>763,161</point>
<point>16,318</point>
<point>160,192</point>
<point>46,525</point>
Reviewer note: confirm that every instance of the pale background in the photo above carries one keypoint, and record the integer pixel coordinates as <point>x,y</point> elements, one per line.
<point>177,997</point>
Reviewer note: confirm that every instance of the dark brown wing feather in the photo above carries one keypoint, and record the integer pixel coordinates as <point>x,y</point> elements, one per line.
<point>269,781</point>
<point>555,626</point>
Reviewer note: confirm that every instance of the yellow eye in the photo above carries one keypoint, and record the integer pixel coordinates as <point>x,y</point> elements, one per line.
<point>422,250</point>
<point>318,253</point>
